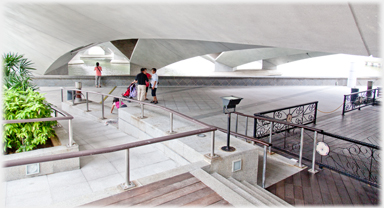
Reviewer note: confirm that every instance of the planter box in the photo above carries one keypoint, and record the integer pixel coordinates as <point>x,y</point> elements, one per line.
<point>20,172</point>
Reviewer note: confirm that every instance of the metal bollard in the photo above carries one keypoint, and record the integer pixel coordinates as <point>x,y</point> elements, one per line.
<point>128,184</point>
<point>313,170</point>
<point>73,97</point>
<point>102,106</point>
<point>86,98</point>
<point>213,144</point>
<point>264,166</point>
<point>270,136</point>
<point>61,90</point>
<point>237,122</point>
<point>70,131</point>
<point>142,110</point>
<point>301,147</point>
<point>246,126</point>
<point>171,122</point>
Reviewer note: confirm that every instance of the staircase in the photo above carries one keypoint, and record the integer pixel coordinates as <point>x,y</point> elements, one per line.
<point>253,194</point>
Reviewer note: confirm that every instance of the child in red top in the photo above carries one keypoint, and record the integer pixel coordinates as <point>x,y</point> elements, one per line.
<point>147,85</point>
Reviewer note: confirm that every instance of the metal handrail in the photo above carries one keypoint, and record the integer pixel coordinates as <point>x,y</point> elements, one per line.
<point>66,115</point>
<point>265,144</point>
<point>361,92</point>
<point>279,121</point>
<point>82,153</point>
<point>171,111</point>
<point>294,106</point>
<point>351,140</point>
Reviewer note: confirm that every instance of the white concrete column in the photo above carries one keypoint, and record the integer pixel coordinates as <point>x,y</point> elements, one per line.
<point>352,75</point>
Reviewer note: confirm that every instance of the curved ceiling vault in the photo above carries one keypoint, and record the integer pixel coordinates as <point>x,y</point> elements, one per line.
<point>46,33</point>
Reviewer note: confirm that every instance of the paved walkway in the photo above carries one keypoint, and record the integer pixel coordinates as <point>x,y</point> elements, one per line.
<point>102,171</point>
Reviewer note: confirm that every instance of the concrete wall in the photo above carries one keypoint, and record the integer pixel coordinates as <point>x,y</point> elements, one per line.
<point>69,81</point>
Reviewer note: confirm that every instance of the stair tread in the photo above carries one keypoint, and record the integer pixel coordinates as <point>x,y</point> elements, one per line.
<point>258,195</point>
<point>139,190</point>
<point>238,190</point>
<point>169,192</point>
<point>281,201</point>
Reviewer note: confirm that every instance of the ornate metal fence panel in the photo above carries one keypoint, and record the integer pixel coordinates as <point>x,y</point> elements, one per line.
<point>351,157</point>
<point>359,100</point>
<point>298,114</point>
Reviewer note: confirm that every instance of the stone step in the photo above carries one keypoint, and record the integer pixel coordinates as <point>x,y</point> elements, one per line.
<point>258,195</point>
<point>224,191</point>
<point>238,190</point>
<point>268,195</point>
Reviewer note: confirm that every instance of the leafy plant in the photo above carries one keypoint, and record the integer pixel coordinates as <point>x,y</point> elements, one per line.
<point>25,104</point>
<point>16,71</point>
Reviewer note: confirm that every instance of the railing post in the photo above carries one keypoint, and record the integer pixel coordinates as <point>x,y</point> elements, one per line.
<point>102,106</point>
<point>73,97</point>
<point>62,94</point>
<point>213,144</point>
<point>142,110</point>
<point>70,131</point>
<point>264,166</point>
<point>313,170</point>
<point>86,98</point>
<point>370,165</point>
<point>55,113</point>
<point>127,184</point>
<point>171,122</point>
<point>315,113</point>
<point>254,127</point>
<point>301,147</point>
<point>270,136</point>
<point>237,122</point>
<point>246,126</point>
<point>344,105</point>
<point>374,96</point>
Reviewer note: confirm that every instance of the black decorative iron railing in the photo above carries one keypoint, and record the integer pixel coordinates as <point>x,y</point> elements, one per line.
<point>354,158</point>
<point>350,157</point>
<point>299,114</point>
<point>359,100</point>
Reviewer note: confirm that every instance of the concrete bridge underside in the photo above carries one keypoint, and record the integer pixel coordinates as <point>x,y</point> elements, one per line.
<point>52,34</point>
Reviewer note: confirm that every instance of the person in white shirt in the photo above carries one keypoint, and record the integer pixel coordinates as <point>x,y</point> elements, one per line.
<point>154,82</point>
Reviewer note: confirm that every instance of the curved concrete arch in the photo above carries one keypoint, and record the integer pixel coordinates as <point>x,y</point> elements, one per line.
<point>46,33</point>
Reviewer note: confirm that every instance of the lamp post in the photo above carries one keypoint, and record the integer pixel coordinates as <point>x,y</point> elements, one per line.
<point>229,102</point>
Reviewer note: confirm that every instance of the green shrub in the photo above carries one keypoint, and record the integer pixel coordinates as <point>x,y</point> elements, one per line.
<point>16,72</point>
<point>29,104</point>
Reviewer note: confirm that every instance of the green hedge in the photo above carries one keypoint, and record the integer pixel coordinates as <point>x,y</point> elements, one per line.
<point>29,104</point>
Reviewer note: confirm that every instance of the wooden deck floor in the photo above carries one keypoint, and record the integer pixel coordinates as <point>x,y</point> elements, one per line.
<point>362,125</point>
<point>324,188</point>
<point>181,190</point>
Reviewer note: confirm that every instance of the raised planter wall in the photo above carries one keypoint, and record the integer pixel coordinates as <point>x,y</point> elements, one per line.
<point>19,172</point>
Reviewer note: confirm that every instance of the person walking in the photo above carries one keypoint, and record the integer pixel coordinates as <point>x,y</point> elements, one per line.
<point>98,70</point>
<point>154,82</point>
<point>140,79</point>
